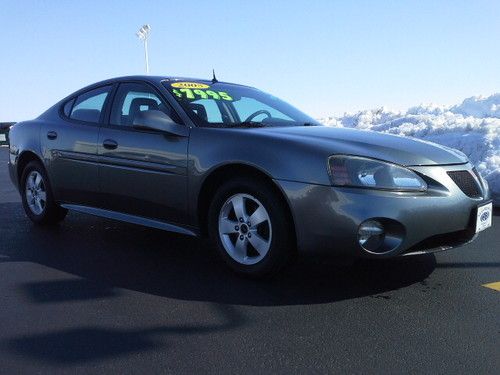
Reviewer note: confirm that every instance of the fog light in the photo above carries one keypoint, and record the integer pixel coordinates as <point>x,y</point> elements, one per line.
<point>371,235</point>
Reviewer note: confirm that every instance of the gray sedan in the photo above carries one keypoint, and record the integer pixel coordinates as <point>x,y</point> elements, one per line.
<point>262,179</point>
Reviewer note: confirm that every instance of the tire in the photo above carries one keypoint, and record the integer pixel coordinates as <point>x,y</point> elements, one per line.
<point>36,193</point>
<point>257,251</point>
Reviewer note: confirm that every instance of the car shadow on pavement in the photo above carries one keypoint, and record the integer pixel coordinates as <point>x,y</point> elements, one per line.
<point>80,345</point>
<point>54,291</point>
<point>110,254</point>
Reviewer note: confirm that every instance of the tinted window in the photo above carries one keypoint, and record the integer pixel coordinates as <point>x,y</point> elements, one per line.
<point>247,106</point>
<point>227,105</point>
<point>133,98</point>
<point>89,106</point>
<point>207,110</point>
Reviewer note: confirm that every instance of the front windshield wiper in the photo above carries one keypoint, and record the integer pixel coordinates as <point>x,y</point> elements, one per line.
<point>247,124</point>
<point>255,124</point>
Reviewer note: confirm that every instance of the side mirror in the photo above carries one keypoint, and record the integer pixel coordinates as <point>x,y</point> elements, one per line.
<point>158,120</point>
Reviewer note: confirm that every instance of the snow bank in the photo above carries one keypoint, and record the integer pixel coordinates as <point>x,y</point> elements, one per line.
<point>472,127</point>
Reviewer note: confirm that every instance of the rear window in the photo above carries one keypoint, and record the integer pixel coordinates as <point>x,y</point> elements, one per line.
<point>89,105</point>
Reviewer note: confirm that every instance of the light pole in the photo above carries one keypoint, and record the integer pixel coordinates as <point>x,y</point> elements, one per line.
<point>143,35</point>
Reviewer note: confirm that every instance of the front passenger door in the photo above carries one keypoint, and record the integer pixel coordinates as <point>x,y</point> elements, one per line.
<point>142,172</point>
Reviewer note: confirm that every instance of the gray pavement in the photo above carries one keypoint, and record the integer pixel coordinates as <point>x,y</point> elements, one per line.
<point>97,296</point>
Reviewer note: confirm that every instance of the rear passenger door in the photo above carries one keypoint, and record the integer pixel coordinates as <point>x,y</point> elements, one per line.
<point>70,147</point>
<point>142,172</point>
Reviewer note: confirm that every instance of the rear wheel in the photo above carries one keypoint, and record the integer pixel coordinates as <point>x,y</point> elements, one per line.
<point>251,228</point>
<point>37,197</point>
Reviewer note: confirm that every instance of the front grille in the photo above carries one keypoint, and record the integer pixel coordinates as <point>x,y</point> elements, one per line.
<point>466,182</point>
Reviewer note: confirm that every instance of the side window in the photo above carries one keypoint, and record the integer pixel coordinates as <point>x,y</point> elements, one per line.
<point>133,98</point>
<point>88,106</point>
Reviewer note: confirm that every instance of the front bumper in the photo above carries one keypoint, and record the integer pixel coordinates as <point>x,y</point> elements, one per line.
<point>328,218</point>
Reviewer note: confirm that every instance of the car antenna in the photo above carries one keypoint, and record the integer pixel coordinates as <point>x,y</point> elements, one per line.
<point>214,80</point>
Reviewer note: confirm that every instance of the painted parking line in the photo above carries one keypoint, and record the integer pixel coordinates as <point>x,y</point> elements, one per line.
<point>494,286</point>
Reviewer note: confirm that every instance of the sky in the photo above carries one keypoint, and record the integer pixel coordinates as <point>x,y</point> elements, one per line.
<point>325,57</point>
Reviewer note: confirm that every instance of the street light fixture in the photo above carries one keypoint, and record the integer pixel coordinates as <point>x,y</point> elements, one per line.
<point>143,35</point>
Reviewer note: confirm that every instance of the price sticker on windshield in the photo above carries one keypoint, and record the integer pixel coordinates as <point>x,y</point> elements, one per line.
<point>192,93</point>
<point>190,85</point>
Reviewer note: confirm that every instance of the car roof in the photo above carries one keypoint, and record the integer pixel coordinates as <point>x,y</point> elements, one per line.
<point>155,80</point>
<point>158,79</point>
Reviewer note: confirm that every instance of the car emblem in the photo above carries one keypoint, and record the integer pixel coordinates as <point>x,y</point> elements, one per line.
<point>485,216</point>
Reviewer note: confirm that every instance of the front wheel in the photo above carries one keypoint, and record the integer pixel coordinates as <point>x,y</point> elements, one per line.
<point>251,228</point>
<point>37,197</point>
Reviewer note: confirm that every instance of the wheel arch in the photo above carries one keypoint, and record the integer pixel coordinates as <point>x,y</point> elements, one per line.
<point>226,172</point>
<point>24,158</point>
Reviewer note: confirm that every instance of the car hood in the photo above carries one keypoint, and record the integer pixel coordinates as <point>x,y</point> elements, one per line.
<point>396,149</point>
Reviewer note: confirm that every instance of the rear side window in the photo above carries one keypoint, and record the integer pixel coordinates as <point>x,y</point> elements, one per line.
<point>89,105</point>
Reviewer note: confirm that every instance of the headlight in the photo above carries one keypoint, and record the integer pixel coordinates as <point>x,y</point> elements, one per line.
<point>356,171</point>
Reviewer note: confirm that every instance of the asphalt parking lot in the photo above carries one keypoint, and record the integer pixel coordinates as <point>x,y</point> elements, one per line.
<point>94,295</point>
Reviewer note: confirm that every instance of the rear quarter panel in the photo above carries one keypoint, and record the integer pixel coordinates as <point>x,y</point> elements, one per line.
<point>23,137</point>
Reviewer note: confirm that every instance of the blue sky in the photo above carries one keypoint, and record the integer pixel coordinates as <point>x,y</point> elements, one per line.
<point>325,57</point>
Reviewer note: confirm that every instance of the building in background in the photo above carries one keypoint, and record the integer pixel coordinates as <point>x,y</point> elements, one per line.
<point>4,132</point>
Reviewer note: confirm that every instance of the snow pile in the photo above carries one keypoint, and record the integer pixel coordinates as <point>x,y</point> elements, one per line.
<point>479,106</point>
<point>472,127</point>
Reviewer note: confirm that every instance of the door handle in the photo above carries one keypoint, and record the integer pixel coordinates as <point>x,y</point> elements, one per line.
<point>110,144</point>
<point>51,135</point>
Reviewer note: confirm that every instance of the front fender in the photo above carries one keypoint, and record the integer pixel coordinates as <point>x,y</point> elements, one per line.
<point>283,159</point>
<point>212,148</point>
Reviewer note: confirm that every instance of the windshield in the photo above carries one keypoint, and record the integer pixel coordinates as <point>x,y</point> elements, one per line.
<point>226,105</point>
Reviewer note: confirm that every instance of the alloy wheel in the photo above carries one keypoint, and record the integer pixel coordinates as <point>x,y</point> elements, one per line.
<point>245,229</point>
<point>36,194</point>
